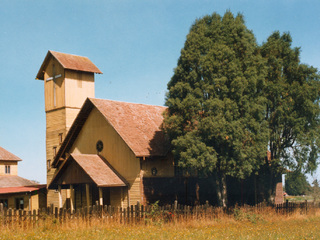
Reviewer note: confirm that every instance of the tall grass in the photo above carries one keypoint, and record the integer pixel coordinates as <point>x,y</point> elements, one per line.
<point>240,223</point>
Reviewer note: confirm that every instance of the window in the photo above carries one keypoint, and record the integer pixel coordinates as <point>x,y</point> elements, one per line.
<point>49,164</point>
<point>7,169</point>
<point>19,203</point>
<point>54,151</point>
<point>60,138</point>
<point>4,202</point>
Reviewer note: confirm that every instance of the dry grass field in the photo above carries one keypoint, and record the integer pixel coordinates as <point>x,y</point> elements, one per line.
<point>242,224</point>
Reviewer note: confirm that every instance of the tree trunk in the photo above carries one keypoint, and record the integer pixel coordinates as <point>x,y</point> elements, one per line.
<point>221,182</point>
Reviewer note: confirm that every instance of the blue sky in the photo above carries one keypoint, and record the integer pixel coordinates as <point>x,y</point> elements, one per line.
<point>136,44</point>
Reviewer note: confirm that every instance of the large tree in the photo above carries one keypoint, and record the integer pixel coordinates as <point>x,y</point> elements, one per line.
<point>215,100</point>
<point>292,91</point>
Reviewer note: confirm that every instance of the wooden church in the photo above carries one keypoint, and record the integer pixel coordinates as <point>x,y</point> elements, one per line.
<point>97,150</point>
<point>107,152</point>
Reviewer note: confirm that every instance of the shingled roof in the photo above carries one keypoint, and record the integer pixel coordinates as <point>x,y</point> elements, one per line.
<point>68,61</point>
<point>14,181</point>
<point>95,167</point>
<point>8,156</point>
<point>139,125</point>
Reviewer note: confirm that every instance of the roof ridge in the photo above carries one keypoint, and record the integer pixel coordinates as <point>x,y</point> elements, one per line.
<point>143,104</point>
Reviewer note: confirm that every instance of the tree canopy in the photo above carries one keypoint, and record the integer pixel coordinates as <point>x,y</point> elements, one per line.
<point>296,183</point>
<point>216,117</point>
<point>292,110</point>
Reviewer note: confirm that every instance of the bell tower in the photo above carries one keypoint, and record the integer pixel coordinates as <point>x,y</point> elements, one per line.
<point>68,82</point>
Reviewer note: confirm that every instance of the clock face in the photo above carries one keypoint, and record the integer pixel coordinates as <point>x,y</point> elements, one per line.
<point>99,146</point>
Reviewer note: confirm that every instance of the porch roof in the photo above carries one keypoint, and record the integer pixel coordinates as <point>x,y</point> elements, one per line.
<point>95,167</point>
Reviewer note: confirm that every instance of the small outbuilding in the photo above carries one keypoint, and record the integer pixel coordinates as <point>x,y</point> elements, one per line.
<point>17,192</point>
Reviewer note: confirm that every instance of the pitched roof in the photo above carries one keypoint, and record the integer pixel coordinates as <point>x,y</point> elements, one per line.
<point>139,125</point>
<point>8,156</point>
<point>98,170</point>
<point>68,61</point>
<point>14,181</point>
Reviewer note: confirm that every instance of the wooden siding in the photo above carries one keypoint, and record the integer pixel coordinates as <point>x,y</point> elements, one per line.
<point>54,90</point>
<point>71,114</point>
<point>55,125</point>
<point>34,204</point>
<point>135,191</point>
<point>164,167</point>
<point>79,86</point>
<point>75,175</point>
<point>64,97</point>
<point>53,197</point>
<point>118,197</point>
<point>115,150</point>
<point>13,167</point>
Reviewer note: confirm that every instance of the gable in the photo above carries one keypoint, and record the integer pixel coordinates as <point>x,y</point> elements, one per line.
<point>138,124</point>
<point>87,168</point>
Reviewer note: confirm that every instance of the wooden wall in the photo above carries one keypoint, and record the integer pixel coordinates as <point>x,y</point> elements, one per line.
<point>54,91</point>
<point>115,151</point>
<point>78,87</point>
<point>64,97</point>
<point>164,167</point>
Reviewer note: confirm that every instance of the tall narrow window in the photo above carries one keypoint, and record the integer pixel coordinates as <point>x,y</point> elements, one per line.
<point>7,169</point>
<point>49,164</point>
<point>54,151</point>
<point>60,138</point>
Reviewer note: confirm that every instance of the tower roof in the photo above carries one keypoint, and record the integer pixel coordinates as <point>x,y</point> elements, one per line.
<point>68,61</point>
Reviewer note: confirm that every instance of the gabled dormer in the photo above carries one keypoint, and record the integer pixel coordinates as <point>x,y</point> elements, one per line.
<point>8,163</point>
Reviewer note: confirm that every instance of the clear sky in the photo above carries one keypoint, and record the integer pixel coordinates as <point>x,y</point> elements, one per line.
<point>136,44</point>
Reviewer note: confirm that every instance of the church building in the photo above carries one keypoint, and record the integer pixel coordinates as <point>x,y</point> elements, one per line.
<point>109,152</point>
<point>97,150</point>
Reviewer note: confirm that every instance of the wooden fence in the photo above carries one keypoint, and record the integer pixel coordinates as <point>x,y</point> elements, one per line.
<point>139,213</point>
<point>303,207</point>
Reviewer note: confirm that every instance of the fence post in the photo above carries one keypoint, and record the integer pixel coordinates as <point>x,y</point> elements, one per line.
<point>137,209</point>
<point>306,202</point>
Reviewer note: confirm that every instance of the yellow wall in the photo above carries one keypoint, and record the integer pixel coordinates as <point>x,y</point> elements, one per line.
<point>79,86</point>
<point>35,203</point>
<point>115,151</point>
<point>13,167</point>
